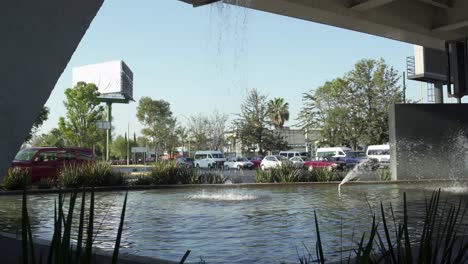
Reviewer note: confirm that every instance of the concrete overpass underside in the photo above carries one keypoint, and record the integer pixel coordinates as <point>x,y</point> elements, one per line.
<point>39,38</point>
<point>427,23</point>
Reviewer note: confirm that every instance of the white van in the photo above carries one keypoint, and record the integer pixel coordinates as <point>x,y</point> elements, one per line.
<point>379,152</point>
<point>334,152</point>
<point>209,159</point>
<point>290,154</point>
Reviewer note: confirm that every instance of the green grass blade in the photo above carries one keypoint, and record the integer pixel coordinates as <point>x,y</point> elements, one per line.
<point>408,250</point>
<point>79,242</point>
<point>321,259</point>
<point>66,247</point>
<point>89,239</point>
<point>24,229</point>
<point>387,235</point>
<point>182,261</point>
<point>119,233</point>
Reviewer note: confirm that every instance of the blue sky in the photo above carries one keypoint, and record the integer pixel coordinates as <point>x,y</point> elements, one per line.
<point>204,59</point>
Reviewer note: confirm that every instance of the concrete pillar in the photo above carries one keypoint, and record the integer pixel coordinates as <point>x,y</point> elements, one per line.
<point>438,93</point>
<point>428,141</point>
<point>38,40</point>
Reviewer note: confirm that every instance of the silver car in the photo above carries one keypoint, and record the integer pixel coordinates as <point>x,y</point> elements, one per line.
<point>238,163</point>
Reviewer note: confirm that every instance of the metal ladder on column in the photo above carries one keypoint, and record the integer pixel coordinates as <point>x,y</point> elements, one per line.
<point>430,93</point>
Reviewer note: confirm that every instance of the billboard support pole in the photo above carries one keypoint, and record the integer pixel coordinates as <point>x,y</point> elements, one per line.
<point>109,130</point>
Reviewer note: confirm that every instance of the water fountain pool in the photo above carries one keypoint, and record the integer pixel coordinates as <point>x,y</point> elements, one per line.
<point>234,224</point>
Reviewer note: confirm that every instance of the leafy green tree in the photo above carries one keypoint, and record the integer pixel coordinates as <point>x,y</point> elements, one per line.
<point>40,119</point>
<point>119,147</point>
<point>52,139</point>
<point>159,123</point>
<point>83,111</point>
<point>252,124</point>
<point>278,112</point>
<point>353,110</point>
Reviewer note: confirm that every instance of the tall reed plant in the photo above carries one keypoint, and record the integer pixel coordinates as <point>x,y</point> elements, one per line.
<point>91,174</point>
<point>441,239</point>
<point>17,178</point>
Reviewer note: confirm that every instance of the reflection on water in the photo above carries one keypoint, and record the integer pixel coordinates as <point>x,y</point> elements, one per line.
<point>235,225</point>
<point>224,195</point>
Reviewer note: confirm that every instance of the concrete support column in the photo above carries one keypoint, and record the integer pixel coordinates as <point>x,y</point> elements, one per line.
<point>438,93</point>
<point>38,40</point>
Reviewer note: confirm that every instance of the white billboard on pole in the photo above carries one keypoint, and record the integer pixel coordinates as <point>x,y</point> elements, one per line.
<point>111,78</point>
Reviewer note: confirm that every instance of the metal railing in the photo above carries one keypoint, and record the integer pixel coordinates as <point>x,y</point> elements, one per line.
<point>410,66</point>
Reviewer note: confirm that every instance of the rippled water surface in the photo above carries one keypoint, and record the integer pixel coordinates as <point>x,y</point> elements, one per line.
<point>234,224</point>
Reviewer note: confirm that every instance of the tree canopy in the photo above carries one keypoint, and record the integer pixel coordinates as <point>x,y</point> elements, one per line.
<point>40,119</point>
<point>278,112</point>
<point>252,125</point>
<point>159,124</point>
<point>78,127</point>
<point>353,109</point>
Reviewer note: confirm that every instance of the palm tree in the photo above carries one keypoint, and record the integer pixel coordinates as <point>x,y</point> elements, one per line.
<point>278,112</point>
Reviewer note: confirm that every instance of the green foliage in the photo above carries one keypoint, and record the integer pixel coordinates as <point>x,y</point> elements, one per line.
<point>159,124</point>
<point>52,139</point>
<point>40,119</point>
<point>289,173</point>
<point>210,178</point>
<point>353,109</point>
<point>46,183</point>
<point>440,241</point>
<point>119,147</point>
<point>285,173</point>
<point>17,178</point>
<point>252,125</point>
<point>61,250</point>
<point>79,128</point>
<point>385,174</point>
<point>166,172</point>
<point>90,174</point>
<point>323,175</point>
<point>278,112</point>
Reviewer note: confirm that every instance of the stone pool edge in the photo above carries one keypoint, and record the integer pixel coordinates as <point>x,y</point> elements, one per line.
<point>11,245</point>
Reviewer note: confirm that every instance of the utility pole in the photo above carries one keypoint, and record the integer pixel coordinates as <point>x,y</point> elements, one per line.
<point>109,130</point>
<point>404,87</point>
<point>128,144</point>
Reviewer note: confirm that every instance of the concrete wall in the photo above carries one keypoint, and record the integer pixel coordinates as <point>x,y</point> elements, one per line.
<point>38,40</point>
<point>429,141</point>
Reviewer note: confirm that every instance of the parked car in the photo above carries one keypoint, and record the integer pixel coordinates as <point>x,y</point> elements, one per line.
<point>46,162</point>
<point>299,161</point>
<point>209,159</point>
<point>238,163</point>
<point>353,157</point>
<point>274,161</point>
<point>256,161</point>
<point>324,163</point>
<point>185,162</point>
